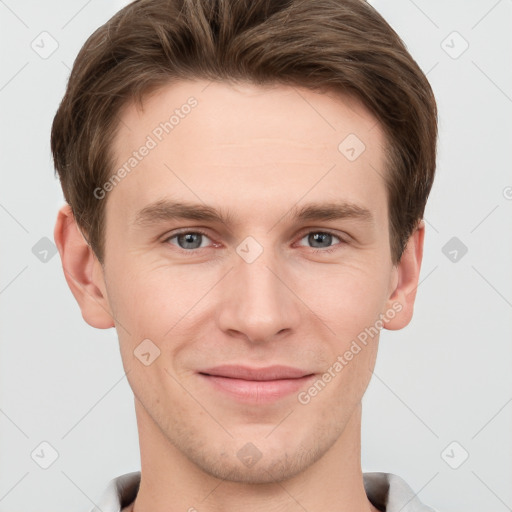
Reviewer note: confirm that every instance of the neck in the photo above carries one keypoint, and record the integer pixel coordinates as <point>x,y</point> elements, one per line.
<point>171,482</point>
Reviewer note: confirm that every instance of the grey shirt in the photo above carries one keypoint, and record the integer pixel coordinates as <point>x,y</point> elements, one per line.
<point>387,492</point>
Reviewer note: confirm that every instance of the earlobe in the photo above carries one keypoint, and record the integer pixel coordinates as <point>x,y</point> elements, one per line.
<point>401,300</point>
<point>82,271</point>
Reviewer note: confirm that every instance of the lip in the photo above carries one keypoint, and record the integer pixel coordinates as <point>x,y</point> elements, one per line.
<point>256,385</point>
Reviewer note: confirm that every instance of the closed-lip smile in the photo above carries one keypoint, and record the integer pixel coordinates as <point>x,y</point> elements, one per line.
<point>256,385</point>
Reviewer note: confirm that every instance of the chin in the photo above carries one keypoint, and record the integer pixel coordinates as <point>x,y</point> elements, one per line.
<point>263,468</point>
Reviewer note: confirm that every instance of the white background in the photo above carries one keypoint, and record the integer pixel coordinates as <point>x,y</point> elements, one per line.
<point>446,377</point>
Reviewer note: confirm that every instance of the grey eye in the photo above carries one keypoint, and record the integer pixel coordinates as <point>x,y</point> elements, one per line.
<point>189,240</point>
<point>320,239</point>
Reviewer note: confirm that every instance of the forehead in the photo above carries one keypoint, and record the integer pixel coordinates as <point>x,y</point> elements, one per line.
<point>262,111</point>
<point>247,145</point>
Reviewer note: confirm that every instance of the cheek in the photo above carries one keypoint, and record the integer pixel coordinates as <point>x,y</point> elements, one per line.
<point>348,298</point>
<point>162,304</point>
<point>143,296</point>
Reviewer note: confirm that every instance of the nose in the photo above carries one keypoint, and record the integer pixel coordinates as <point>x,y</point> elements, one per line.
<point>258,302</point>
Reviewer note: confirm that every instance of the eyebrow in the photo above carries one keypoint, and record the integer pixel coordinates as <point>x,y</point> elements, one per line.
<point>165,210</point>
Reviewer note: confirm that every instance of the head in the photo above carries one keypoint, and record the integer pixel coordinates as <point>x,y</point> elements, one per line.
<point>245,184</point>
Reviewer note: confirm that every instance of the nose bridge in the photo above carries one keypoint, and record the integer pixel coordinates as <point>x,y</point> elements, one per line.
<point>256,302</point>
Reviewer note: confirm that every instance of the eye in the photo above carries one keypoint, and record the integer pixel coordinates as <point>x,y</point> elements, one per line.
<point>321,240</point>
<point>188,240</point>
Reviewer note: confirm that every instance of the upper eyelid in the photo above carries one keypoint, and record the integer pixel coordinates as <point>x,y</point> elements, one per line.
<point>185,232</point>
<point>307,231</point>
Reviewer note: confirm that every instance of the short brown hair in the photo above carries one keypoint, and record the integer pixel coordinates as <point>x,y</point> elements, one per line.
<point>343,45</point>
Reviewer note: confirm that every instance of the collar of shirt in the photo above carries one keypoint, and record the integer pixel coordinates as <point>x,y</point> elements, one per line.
<point>386,491</point>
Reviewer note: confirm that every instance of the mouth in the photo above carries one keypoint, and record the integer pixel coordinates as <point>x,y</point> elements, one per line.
<point>256,385</point>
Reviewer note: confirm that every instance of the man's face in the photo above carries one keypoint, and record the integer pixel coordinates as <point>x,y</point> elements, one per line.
<point>263,288</point>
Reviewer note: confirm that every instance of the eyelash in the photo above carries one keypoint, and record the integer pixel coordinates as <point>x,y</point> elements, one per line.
<point>315,251</point>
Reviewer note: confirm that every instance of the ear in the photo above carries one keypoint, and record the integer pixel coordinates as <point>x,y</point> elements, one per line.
<point>405,282</point>
<point>82,270</point>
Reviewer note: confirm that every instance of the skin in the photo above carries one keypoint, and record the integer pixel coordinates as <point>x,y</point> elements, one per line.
<point>256,152</point>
